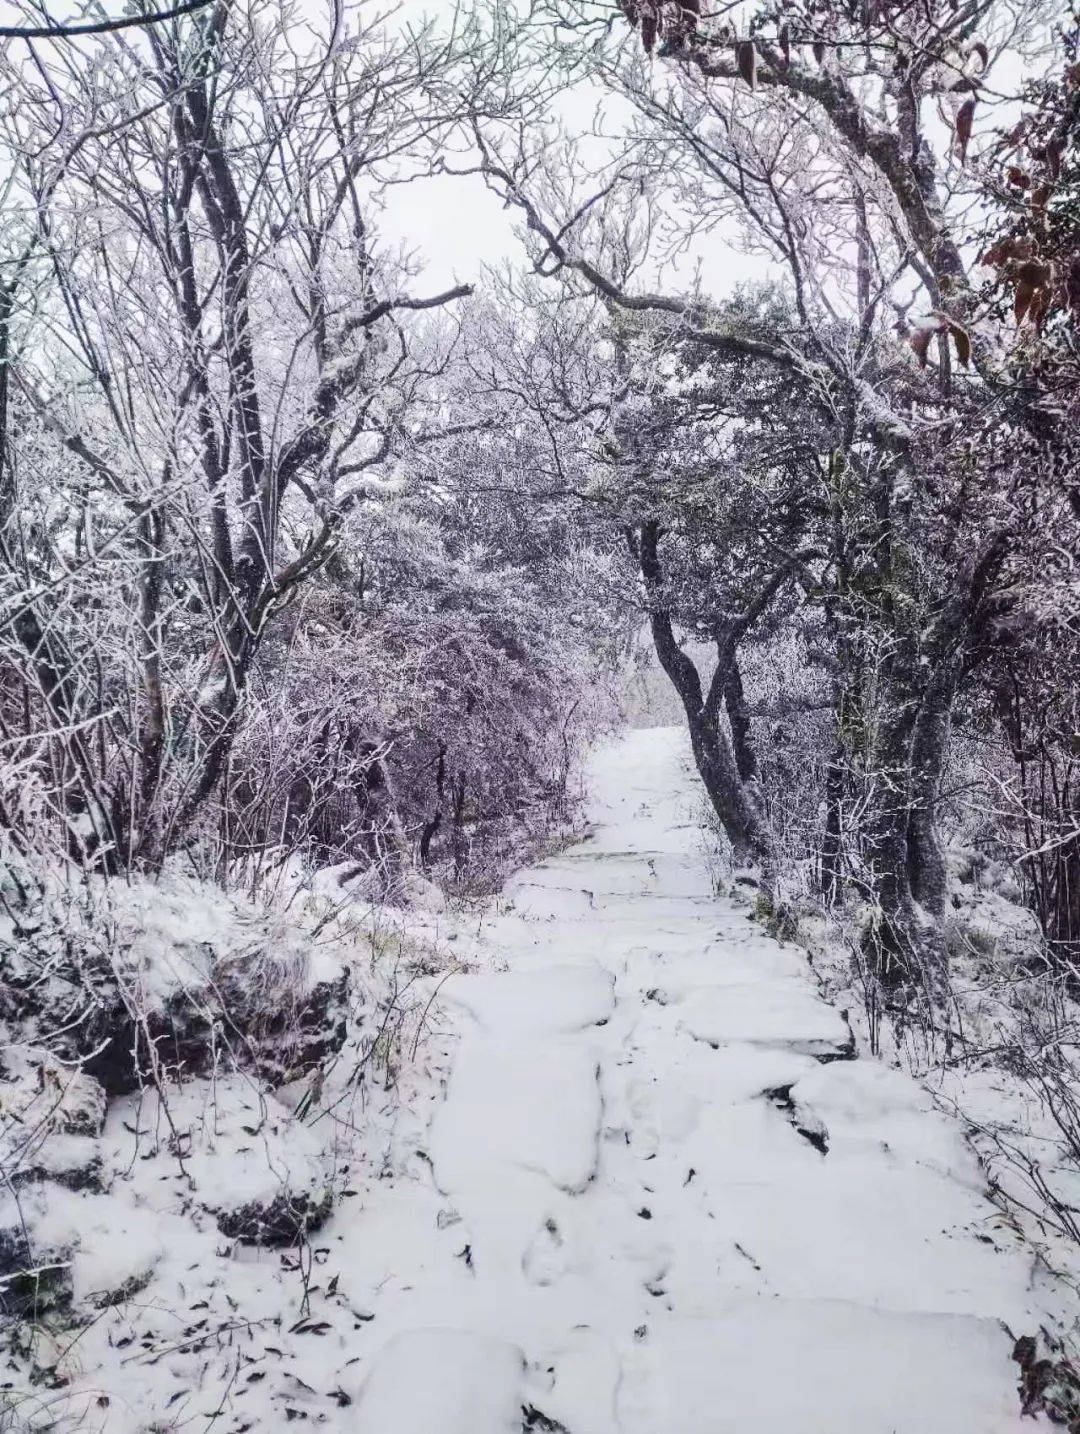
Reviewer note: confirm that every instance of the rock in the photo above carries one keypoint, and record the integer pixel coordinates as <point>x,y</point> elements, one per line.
<point>35,1274</point>
<point>173,981</point>
<point>533,1419</point>
<point>73,1161</point>
<point>294,1014</point>
<point>1049,1382</point>
<point>257,1170</point>
<point>417,892</point>
<point>283,1220</point>
<point>282,1014</point>
<point>60,1249</point>
<point>52,1118</point>
<point>113,1246</point>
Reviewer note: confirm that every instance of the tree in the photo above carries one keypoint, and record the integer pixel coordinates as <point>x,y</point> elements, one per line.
<point>228,351</point>
<point>822,157</point>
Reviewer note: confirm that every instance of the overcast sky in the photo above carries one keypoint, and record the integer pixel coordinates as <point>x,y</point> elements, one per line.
<point>453,225</point>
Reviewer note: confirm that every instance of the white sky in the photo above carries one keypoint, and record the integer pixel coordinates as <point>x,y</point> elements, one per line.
<point>452,225</point>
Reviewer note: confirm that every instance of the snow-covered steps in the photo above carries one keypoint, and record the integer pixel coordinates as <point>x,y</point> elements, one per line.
<point>770,1366</point>
<point>658,1194</point>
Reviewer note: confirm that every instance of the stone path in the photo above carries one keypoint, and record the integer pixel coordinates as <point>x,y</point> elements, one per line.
<point>663,1197</point>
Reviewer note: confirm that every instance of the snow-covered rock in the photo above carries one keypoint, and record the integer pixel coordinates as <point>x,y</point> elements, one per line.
<point>59,1247</point>
<point>261,1173</point>
<point>172,979</point>
<point>35,1275</point>
<point>50,1118</point>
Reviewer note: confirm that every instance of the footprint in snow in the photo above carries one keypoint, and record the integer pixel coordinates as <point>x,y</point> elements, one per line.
<point>544,1261</point>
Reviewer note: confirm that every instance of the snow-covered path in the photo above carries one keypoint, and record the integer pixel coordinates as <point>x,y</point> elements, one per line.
<point>660,1196</point>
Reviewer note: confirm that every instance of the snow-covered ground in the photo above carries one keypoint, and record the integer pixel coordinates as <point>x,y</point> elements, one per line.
<point>633,1182</point>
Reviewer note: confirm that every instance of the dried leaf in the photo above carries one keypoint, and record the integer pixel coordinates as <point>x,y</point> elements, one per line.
<point>1040,198</point>
<point>965,116</point>
<point>1006,250</point>
<point>1022,302</point>
<point>962,340</point>
<point>920,337</point>
<point>818,48</point>
<point>1054,152</point>
<point>1017,176</point>
<point>746,58</point>
<point>1033,272</point>
<point>1040,305</point>
<point>981,53</point>
<point>785,44</point>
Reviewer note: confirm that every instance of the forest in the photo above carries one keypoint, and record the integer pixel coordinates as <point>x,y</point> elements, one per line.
<point>328,566</point>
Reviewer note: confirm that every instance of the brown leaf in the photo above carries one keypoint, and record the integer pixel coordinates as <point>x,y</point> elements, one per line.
<point>979,50</point>
<point>1040,197</point>
<point>965,116</point>
<point>962,340</point>
<point>1031,271</point>
<point>818,48</point>
<point>785,44</point>
<point>1054,151</point>
<point>1025,292</point>
<point>920,337</point>
<point>1017,176</point>
<point>1006,250</point>
<point>746,58</point>
<point>1040,304</point>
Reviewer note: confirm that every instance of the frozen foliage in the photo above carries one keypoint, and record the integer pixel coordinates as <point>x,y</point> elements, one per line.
<point>555,1204</point>
<point>135,982</point>
<point>347,1076</point>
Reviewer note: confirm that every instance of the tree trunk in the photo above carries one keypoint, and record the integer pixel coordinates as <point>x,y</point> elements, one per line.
<point>832,842</point>
<point>905,849</point>
<point>739,722</point>
<point>733,799</point>
<point>926,855</point>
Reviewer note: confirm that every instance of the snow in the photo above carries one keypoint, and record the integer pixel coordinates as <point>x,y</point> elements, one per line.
<point>791,1017</point>
<point>115,1249</point>
<point>239,1143</point>
<point>553,1002</point>
<point>533,1104</point>
<point>627,1204</point>
<point>820,1368</point>
<point>445,1380</point>
<point>590,1192</point>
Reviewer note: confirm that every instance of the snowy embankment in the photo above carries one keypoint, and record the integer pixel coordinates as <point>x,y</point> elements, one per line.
<point>632,1181</point>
